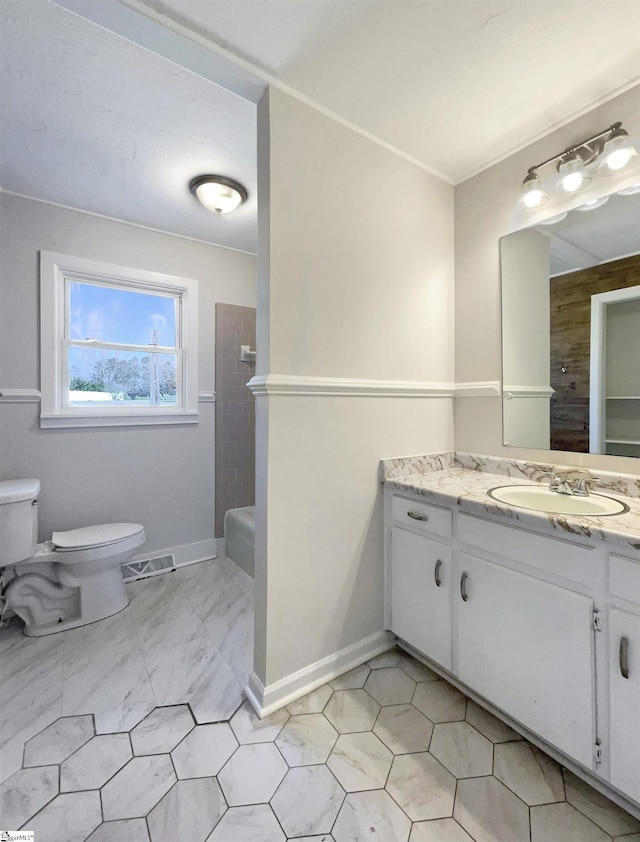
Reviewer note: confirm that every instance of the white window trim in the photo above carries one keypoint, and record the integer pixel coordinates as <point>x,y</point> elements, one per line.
<point>54,268</point>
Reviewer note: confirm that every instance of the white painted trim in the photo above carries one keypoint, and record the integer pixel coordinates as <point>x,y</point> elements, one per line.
<point>597,366</point>
<point>184,554</point>
<point>19,395</point>
<point>49,422</point>
<point>266,700</point>
<point>478,389</point>
<point>510,392</point>
<point>285,384</point>
<point>206,397</point>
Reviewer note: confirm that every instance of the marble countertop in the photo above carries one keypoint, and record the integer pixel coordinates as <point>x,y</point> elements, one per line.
<point>463,480</point>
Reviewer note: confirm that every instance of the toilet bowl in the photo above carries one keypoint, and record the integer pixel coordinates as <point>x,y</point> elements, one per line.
<point>69,581</point>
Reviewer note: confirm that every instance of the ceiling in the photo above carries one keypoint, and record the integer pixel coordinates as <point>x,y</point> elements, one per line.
<point>94,118</point>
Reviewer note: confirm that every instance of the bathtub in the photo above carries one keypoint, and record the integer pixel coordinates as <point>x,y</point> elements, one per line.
<point>239,534</point>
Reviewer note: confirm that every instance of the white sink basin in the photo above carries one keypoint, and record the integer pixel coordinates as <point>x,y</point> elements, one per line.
<point>539,497</point>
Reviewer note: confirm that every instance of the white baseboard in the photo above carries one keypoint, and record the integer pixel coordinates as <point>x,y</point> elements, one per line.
<point>185,553</point>
<point>266,700</point>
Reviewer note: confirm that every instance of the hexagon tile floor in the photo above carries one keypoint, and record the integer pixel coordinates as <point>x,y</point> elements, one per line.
<point>388,752</point>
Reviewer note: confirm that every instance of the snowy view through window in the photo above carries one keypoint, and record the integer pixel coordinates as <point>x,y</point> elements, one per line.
<point>122,346</point>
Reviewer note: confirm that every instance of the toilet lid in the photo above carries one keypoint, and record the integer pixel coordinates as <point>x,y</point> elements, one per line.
<point>94,536</point>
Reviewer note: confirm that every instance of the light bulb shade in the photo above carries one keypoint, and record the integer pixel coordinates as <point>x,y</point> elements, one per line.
<point>218,193</point>
<point>593,204</point>
<point>572,175</point>
<point>616,154</point>
<point>531,193</point>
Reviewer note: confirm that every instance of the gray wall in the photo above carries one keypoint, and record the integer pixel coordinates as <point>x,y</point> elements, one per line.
<point>351,285</point>
<point>484,212</point>
<point>162,476</point>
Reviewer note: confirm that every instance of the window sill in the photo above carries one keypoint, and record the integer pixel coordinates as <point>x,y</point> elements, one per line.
<point>119,420</point>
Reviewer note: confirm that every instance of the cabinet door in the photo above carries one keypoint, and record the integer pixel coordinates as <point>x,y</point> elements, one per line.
<point>624,676</point>
<point>527,647</point>
<point>421,594</point>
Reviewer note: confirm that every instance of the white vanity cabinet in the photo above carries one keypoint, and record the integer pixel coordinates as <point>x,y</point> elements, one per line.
<point>527,647</point>
<point>420,594</point>
<point>420,577</point>
<point>624,686</point>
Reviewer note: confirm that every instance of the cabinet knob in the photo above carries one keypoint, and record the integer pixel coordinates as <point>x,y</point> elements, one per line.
<point>463,587</point>
<point>417,516</point>
<point>623,657</point>
<point>436,573</point>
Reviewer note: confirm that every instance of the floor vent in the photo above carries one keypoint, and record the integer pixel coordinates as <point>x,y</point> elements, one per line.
<point>149,567</point>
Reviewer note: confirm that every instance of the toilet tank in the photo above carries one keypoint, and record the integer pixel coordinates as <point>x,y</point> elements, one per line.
<point>18,519</point>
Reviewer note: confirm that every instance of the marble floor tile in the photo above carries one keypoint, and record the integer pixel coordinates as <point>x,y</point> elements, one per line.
<point>552,822</point>
<point>390,658</point>
<point>528,772</point>
<point>417,671</point>
<point>204,751</point>
<point>439,701</point>
<point>138,787</point>
<point>30,691</point>
<point>252,774</point>
<point>98,760</point>
<point>352,680</point>
<point>489,812</point>
<point>598,808</point>
<point>248,728</point>
<point>352,710</point>
<point>306,739</point>
<point>421,786</point>
<point>255,823</point>
<point>360,761</point>
<point>58,740</point>
<point>371,815</point>
<point>127,830</point>
<point>403,729</point>
<point>215,694</point>
<point>190,811</point>
<point>462,750</point>
<point>489,726</point>
<point>70,817</point>
<point>313,702</point>
<point>105,674</point>
<point>162,730</point>
<point>25,793</point>
<point>390,686</point>
<point>439,830</point>
<point>307,801</point>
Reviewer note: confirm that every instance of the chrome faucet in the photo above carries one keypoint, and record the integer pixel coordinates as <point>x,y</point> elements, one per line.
<point>563,484</point>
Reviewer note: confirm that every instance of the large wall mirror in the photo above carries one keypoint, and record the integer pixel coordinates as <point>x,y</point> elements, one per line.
<point>571,330</point>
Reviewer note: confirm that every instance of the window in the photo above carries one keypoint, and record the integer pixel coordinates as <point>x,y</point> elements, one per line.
<point>118,345</point>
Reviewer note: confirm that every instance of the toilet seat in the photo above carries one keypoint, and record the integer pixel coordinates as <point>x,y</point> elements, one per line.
<point>92,537</point>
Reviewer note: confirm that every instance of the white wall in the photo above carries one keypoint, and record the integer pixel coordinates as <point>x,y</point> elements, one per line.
<point>484,211</point>
<point>356,276</point>
<point>162,477</point>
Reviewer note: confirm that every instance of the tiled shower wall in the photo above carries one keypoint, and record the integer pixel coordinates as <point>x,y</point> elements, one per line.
<point>235,411</point>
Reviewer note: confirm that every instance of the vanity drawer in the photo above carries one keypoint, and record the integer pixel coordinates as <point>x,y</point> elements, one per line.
<point>624,578</point>
<point>421,516</point>
<point>561,558</point>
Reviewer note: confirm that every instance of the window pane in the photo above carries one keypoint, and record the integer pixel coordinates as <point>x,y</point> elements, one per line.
<point>127,379</point>
<point>111,314</point>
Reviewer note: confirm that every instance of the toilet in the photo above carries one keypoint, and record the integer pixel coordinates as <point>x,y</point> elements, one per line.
<point>69,581</point>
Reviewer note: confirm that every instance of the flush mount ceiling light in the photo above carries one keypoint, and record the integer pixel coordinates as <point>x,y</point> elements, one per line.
<point>611,149</point>
<point>218,193</point>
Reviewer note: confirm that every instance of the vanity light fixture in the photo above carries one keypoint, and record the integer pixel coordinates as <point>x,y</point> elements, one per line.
<point>611,147</point>
<point>218,193</point>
